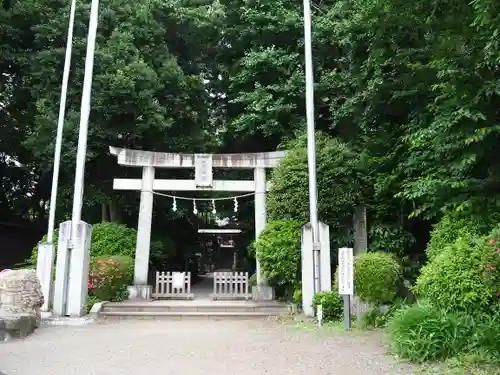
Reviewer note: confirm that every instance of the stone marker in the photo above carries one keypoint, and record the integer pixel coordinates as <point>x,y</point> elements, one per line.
<point>20,301</point>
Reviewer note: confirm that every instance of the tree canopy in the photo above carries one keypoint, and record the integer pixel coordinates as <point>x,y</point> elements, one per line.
<point>410,88</point>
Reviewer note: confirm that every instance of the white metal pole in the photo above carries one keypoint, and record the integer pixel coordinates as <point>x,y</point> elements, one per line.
<point>84,119</point>
<point>60,124</point>
<point>311,145</point>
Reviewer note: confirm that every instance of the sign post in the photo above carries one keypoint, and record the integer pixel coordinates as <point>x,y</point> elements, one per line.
<point>346,281</point>
<point>320,315</point>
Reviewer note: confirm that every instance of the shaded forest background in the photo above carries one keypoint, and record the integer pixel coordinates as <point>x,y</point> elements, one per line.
<point>411,87</point>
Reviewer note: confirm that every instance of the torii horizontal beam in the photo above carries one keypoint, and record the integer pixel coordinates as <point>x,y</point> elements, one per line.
<point>139,158</point>
<point>244,186</point>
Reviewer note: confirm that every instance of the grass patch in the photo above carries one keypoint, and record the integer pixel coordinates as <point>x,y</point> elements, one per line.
<point>473,364</point>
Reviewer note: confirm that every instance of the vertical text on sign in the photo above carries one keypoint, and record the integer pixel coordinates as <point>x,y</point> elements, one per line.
<point>346,271</point>
<point>203,170</point>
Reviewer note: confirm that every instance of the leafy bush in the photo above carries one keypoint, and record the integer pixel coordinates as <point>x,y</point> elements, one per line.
<point>297,295</point>
<point>109,239</point>
<point>491,267</point>
<point>376,277</point>
<point>379,316</point>
<point>333,305</point>
<point>252,280</point>
<point>91,301</point>
<point>454,279</point>
<point>487,336</point>
<point>453,225</point>
<point>422,332</point>
<point>339,185</point>
<point>109,277</point>
<point>278,248</point>
<point>389,238</point>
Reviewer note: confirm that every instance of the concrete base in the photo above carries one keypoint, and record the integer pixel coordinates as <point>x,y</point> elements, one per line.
<point>263,293</point>
<point>44,265</point>
<point>143,292</point>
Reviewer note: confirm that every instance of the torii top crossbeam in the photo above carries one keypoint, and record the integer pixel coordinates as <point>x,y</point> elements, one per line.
<point>139,158</point>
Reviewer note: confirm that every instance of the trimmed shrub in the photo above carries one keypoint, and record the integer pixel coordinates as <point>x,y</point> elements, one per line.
<point>109,278</point>
<point>376,277</point>
<point>422,332</point>
<point>340,185</point>
<point>278,248</point>
<point>109,239</point>
<point>333,305</point>
<point>455,279</point>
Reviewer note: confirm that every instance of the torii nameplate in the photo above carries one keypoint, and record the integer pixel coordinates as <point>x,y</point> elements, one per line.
<point>203,175</point>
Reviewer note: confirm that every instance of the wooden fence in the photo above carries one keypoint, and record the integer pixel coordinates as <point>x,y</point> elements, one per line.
<point>231,285</point>
<point>165,286</point>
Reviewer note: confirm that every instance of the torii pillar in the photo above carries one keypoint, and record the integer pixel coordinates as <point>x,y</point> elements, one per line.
<point>203,164</point>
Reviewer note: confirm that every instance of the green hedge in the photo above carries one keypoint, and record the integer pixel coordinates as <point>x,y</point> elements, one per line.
<point>377,276</point>
<point>110,239</point>
<point>454,280</point>
<point>278,249</point>
<point>333,305</point>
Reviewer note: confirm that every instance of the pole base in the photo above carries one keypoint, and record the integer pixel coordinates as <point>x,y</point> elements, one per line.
<point>142,292</point>
<point>263,293</point>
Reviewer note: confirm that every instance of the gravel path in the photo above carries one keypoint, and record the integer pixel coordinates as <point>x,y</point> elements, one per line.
<point>195,347</point>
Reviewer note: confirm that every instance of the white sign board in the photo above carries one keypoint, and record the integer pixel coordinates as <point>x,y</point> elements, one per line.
<point>203,170</point>
<point>346,271</point>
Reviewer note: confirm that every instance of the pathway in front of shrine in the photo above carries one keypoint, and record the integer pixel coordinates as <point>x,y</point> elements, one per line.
<point>196,347</point>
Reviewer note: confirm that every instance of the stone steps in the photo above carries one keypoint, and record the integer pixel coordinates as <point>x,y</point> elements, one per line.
<point>191,309</point>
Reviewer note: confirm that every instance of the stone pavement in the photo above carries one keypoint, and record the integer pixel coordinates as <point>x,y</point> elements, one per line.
<point>196,347</point>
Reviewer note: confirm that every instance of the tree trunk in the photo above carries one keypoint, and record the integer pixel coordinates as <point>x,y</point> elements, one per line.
<point>104,212</point>
<point>114,211</point>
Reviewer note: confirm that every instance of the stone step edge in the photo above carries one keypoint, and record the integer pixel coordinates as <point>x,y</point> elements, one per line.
<point>185,311</point>
<point>193,308</point>
<point>188,303</point>
<point>188,313</point>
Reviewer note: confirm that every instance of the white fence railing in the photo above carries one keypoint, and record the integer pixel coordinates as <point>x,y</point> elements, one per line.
<point>231,285</point>
<point>173,285</point>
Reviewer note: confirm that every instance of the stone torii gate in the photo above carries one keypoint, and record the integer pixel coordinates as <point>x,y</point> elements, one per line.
<point>203,164</point>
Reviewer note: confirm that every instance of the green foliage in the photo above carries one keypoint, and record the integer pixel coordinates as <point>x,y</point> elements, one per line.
<point>376,277</point>
<point>113,239</point>
<point>110,239</point>
<point>333,306</point>
<point>453,225</point>
<point>297,295</point>
<point>109,277</point>
<point>252,280</point>
<point>491,266</point>
<point>91,301</point>
<point>422,332</point>
<point>339,185</point>
<point>454,280</point>
<point>379,316</point>
<point>374,318</point>
<point>389,238</point>
<point>278,248</point>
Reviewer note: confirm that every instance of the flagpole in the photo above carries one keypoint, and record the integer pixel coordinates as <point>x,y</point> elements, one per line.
<point>46,250</point>
<point>60,124</point>
<point>311,145</point>
<point>84,119</point>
